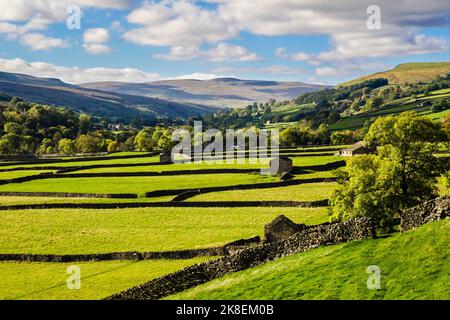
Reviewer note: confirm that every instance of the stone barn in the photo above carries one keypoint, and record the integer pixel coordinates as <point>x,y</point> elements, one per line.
<point>357,148</point>
<point>165,157</point>
<point>281,228</point>
<point>284,165</point>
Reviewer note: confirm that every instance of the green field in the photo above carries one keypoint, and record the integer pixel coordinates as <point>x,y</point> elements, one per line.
<point>413,265</point>
<point>139,185</point>
<point>36,281</point>
<point>395,107</point>
<point>156,229</point>
<point>86,163</point>
<point>304,192</point>
<point>19,174</point>
<point>77,231</point>
<point>24,200</point>
<point>409,72</point>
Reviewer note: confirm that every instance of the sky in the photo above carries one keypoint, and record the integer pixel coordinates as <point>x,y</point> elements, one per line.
<point>315,41</point>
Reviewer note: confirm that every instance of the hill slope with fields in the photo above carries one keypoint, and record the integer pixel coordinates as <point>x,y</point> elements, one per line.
<point>221,92</point>
<point>408,72</point>
<point>414,265</point>
<point>95,102</point>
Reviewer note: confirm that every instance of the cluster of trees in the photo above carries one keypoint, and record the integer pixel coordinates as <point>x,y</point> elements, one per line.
<point>440,105</point>
<point>303,135</point>
<point>402,174</point>
<point>30,128</point>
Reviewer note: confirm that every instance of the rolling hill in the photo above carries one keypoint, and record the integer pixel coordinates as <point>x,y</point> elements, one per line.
<point>98,103</point>
<point>408,72</point>
<point>414,265</point>
<point>221,92</point>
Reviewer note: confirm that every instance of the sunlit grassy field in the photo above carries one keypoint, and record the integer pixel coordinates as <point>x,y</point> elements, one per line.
<point>84,231</point>
<point>139,185</point>
<point>413,265</point>
<point>35,281</point>
<point>21,173</point>
<point>76,231</point>
<point>303,192</point>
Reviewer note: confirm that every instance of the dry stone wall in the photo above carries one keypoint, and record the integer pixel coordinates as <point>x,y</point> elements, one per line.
<point>326,234</point>
<point>426,212</point>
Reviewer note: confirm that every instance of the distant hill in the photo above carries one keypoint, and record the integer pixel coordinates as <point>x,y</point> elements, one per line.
<point>221,92</point>
<point>96,102</point>
<point>409,72</point>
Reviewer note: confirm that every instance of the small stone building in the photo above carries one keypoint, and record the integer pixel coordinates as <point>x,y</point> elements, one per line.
<point>165,157</point>
<point>281,228</point>
<point>425,103</point>
<point>357,148</point>
<point>284,165</point>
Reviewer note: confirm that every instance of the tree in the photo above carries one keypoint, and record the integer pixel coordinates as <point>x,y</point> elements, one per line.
<point>113,146</point>
<point>289,136</point>
<point>368,188</point>
<point>165,143</point>
<point>67,146</point>
<point>12,127</point>
<point>410,140</point>
<point>88,144</point>
<point>143,140</point>
<point>10,144</point>
<point>402,175</point>
<point>343,137</point>
<point>84,123</point>
<point>439,106</point>
<point>373,104</point>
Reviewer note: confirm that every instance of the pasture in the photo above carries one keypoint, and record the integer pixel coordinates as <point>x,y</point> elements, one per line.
<point>157,225</point>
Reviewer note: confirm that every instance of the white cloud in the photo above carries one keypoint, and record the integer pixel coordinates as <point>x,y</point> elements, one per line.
<point>96,48</point>
<point>278,70</point>
<point>96,35</point>
<point>281,53</point>
<point>223,52</point>
<point>345,23</point>
<point>344,69</point>
<point>180,53</point>
<point>227,52</point>
<point>38,41</point>
<point>177,24</point>
<point>84,75</point>
<point>20,19</point>
<point>76,74</point>
<point>197,76</point>
<point>94,41</point>
<point>21,10</point>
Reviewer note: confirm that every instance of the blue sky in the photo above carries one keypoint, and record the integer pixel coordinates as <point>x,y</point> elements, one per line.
<point>138,41</point>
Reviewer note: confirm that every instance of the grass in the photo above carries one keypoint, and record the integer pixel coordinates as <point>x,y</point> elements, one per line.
<point>176,167</point>
<point>72,231</point>
<point>409,72</point>
<point>47,281</point>
<point>138,185</point>
<point>86,163</point>
<point>304,192</point>
<point>395,107</point>
<point>313,161</point>
<point>16,200</point>
<point>19,174</point>
<point>414,265</point>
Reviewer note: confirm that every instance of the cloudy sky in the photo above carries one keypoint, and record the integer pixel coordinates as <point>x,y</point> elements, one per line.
<point>137,41</point>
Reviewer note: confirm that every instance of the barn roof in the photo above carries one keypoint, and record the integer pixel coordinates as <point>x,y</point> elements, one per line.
<point>354,147</point>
